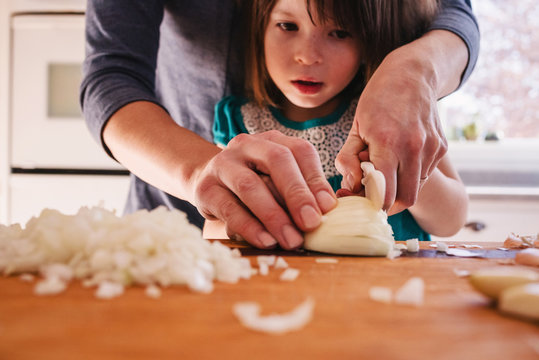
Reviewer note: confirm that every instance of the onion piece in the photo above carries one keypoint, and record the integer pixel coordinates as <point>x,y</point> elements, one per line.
<point>263,269</point>
<point>269,260</point>
<point>281,263</point>
<point>381,294</point>
<point>441,246</point>
<point>326,261</point>
<point>411,293</point>
<point>290,274</point>
<point>51,285</point>
<point>412,245</point>
<point>27,277</point>
<point>249,315</point>
<point>153,291</point>
<point>109,290</point>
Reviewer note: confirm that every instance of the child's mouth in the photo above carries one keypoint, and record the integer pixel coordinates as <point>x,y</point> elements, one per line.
<point>307,87</point>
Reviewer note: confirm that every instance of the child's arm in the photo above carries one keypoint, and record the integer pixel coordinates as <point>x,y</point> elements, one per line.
<point>442,204</point>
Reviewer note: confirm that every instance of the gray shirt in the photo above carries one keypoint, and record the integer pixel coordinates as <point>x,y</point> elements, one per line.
<point>184,56</point>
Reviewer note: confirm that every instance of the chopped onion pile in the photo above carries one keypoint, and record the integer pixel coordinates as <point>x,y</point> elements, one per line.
<point>153,248</point>
<point>249,315</point>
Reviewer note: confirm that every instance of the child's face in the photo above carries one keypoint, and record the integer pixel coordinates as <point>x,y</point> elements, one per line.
<point>311,64</point>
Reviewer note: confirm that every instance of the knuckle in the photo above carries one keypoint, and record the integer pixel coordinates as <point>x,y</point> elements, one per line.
<point>227,208</point>
<point>408,200</point>
<point>303,146</point>
<point>247,183</point>
<point>296,194</point>
<point>279,154</point>
<point>239,139</point>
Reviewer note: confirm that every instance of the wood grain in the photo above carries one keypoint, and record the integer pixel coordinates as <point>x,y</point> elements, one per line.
<point>454,323</point>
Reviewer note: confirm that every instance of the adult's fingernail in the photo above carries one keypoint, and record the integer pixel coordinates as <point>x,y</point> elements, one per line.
<point>292,237</point>
<point>325,200</point>
<point>310,217</point>
<point>266,239</point>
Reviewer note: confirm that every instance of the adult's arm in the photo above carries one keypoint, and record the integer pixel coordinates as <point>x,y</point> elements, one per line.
<point>123,113</point>
<point>397,119</point>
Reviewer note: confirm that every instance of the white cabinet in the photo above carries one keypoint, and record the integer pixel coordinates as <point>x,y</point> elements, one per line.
<point>47,156</point>
<point>501,216</point>
<point>30,193</point>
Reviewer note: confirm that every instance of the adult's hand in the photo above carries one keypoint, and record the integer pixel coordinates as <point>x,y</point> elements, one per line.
<point>396,125</point>
<point>247,184</point>
<point>267,188</point>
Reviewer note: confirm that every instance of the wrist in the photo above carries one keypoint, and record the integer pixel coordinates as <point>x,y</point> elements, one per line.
<point>438,59</point>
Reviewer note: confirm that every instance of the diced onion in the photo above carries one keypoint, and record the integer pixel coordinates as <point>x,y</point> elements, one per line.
<point>290,274</point>
<point>381,294</point>
<point>412,245</point>
<point>157,247</point>
<point>51,285</point>
<point>109,290</point>
<point>326,261</point>
<point>153,291</point>
<point>411,293</point>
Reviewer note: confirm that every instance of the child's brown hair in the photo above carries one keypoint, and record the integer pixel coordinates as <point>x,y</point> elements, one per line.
<point>379,26</point>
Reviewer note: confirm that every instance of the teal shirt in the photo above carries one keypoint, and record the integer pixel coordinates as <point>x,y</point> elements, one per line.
<point>235,115</point>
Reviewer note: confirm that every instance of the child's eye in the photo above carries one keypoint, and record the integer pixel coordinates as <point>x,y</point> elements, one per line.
<point>287,26</point>
<point>340,34</point>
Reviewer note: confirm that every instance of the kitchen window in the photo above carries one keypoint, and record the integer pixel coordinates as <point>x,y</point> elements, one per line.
<point>492,122</point>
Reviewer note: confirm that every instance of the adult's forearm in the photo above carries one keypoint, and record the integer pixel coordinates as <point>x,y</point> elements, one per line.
<point>143,137</point>
<point>439,57</point>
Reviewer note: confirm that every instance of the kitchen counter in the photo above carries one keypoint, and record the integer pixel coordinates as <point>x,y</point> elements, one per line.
<point>454,323</point>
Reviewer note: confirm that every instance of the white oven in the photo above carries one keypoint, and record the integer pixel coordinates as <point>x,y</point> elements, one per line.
<point>51,159</point>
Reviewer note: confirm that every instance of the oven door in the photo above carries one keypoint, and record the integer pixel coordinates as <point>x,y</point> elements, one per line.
<point>47,127</point>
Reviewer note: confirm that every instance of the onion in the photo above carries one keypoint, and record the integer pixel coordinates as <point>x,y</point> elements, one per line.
<point>412,245</point>
<point>411,293</point>
<point>326,261</point>
<point>289,274</point>
<point>357,225</point>
<point>157,247</point>
<point>354,227</point>
<point>281,263</point>
<point>381,294</point>
<point>491,281</point>
<point>249,315</point>
<point>521,300</point>
<point>51,285</point>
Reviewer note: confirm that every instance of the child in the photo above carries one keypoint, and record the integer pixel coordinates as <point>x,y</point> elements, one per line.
<point>307,62</point>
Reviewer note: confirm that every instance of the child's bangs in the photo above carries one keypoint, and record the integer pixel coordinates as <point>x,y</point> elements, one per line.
<point>342,12</point>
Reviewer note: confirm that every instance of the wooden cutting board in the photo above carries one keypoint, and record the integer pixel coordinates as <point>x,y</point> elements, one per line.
<point>454,323</point>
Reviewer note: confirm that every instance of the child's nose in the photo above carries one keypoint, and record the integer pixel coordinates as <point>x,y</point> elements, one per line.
<point>308,52</point>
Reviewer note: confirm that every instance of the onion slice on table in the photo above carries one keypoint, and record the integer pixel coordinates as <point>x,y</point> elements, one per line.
<point>249,315</point>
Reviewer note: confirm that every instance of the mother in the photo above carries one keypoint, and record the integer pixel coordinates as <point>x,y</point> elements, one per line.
<point>155,69</point>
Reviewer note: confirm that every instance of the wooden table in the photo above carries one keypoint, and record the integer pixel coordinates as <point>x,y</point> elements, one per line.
<point>454,323</point>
